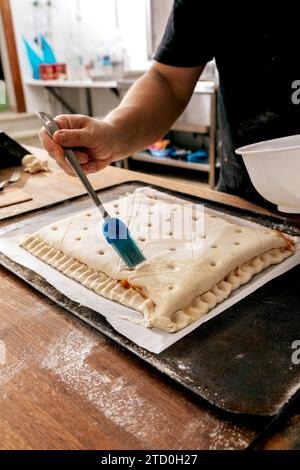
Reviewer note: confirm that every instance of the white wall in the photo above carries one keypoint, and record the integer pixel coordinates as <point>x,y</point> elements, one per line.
<point>160,12</point>
<point>133,28</point>
<point>98,26</point>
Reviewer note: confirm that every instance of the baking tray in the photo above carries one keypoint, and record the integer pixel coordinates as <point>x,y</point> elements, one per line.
<point>241,360</point>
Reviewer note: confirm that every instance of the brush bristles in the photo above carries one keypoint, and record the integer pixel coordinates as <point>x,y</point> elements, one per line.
<point>129,252</point>
<point>118,236</point>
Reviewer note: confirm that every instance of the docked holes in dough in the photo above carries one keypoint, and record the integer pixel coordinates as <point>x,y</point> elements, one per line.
<point>237,243</point>
<point>171,267</point>
<point>54,228</point>
<point>239,230</point>
<point>170,288</point>
<point>78,239</point>
<point>101,252</point>
<point>142,239</point>
<point>213,264</point>
<point>170,234</point>
<point>214,247</point>
<point>89,215</point>
<point>85,228</point>
<point>172,248</point>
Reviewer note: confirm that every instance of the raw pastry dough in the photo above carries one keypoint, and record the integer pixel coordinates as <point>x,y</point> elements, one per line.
<point>181,279</point>
<point>33,164</point>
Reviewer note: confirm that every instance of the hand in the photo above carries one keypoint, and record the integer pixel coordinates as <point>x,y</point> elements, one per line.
<point>92,139</point>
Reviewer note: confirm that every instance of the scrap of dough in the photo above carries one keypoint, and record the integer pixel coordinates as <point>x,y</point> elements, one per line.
<point>181,280</point>
<point>33,164</point>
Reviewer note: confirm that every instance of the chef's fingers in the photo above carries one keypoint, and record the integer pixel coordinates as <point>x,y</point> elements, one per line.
<point>93,166</point>
<point>54,150</point>
<point>52,147</point>
<point>82,157</point>
<point>76,137</point>
<point>64,164</point>
<point>72,121</point>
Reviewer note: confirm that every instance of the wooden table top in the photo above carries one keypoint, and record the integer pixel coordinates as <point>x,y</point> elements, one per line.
<point>65,386</point>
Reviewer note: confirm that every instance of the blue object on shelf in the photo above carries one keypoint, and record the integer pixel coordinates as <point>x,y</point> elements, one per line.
<point>163,153</point>
<point>34,59</point>
<point>178,154</point>
<point>197,157</point>
<point>48,54</point>
<point>106,60</point>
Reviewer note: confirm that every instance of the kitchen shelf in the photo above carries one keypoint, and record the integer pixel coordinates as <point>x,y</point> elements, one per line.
<point>187,127</point>
<point>203,87</point>
<point>209,165</point>
<point>145,157</point>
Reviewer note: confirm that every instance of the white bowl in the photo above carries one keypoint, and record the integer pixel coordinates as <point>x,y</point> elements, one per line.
<point>274,169</point>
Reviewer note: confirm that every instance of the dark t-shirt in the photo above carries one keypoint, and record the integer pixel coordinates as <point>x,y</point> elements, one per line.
<point>256,55</point>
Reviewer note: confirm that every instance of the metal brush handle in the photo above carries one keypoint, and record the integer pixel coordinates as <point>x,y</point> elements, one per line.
<point>51,127</point>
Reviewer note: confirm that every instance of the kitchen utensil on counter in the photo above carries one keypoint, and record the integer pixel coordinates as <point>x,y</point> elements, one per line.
<point>3,184</point>
<point>15,177</point>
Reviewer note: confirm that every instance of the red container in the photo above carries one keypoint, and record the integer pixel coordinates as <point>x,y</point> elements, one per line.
<point>60,71</point>
<point>46,72</point>
<point>53,71</point>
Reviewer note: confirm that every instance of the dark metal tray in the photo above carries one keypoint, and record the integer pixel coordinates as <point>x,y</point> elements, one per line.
<point>241,360</point>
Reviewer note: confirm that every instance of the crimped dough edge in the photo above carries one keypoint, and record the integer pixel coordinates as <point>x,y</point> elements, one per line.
<point>112,289</point>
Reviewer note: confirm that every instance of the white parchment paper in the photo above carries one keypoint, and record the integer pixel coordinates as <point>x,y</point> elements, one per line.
<point>153,340</point>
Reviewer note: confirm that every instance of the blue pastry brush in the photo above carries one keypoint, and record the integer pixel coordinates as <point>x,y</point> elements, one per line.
<point>115,231</point>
